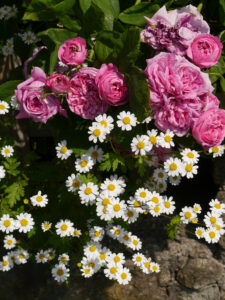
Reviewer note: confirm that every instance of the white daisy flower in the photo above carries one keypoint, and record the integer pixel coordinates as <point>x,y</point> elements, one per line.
<point>6,52</point>
<point>187,214</point>
<point>190,156</point>
<point>125,238</point>
<point>5,264</point>
<point>96,153</point>
<point>150,185</point>
<point>46,226</point>
<point>117,208</point>
<point>7,151</point>
<point>104,198</point>
<point>4,107</point>
<point>64,228</point>
<point>41,256</point>
<point>154,199</point>
<point>15,103</point>
<point>199,232</point>
<point>115,231</point>
<point>166,139</point>
<point>155,267</point>
<point>123,276</point>
<point>92,249</point>
<point>88,193</point>
<point>130,215</point>
<point>73,183</point>
<point>168,205</point>
<point>161,187</point>
<point>12,256</point>
<point>120,180</point>
<point>175,180</point>
<point>63,258</point>
<point>24,222</point>
<point>112,270</point>
<point>2,172</point>
<point>217,207</point>
<point>160,175</point>
<point>157,210</point>
<point>135,243</point>
<point>62,151</point>
<point>76,232</point>
<point>9,242</point>
<point>39,200</point>
<point>113,187</point>
<point>189,170</point>
<point>142,195</point>
<point>28,37</point>
<point>21,256</point>
<point>60,273</point>
<point>173,166</point>
<point>84,164</point>
<point>126,120</point>
<point>146,266</point>
<point>138,259</point>
<point>211,235</point>
<point>51,254</point>
<point>217,151</point>
<point>136,204</point>
<point>91,262</point>
<point>96,233</point>
<point>103,212</point>
<point>212,218</point>
<point>103,254</point>
<point>97,132</point>
<point>147,120</point>
<point>86,271</point>
<point>106,121</point>
<point>197,208</point>
<point>153,137</point>
<point>115,258</point>
<point>220,228</point>
<point>13,10</point>
<point>7,224</point>
<point>140,145</point>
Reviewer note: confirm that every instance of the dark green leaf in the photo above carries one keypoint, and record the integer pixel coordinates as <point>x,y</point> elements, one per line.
<point>222,83</point>
<point>115,5</point>
<point>134,15</point>
<point>84,5</point>
<point>14,192</point>
<point>7,89</point>
<point>221,9</point>
<point>70,23</point>
<point>222,36</point>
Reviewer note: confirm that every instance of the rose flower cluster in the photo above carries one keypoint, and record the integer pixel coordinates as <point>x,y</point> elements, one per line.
<point>88,91</point>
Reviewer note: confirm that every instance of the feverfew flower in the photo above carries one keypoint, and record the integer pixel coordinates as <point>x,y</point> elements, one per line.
<point>197,208</point>
<point>123,276</point>
<point>160,175</point>
<point>8,50</point>
<point>175,180</point>
<point>156,210</point>
<point>28,37</point>
<point>136,204</point>
<point>64,228</point>
<point>130,215</point>
<point>60,272</point>
<point>166,139</point>
<point>117,208</point>
<point>217,207</point>
<point>76,232</point>
<point>9,242</point>
<point>189,170</point>
<point>140,145</point>
<point>126,120</point>
<point>39,200</point>
<point>145,266</point>
<point>153,137</point>
<point>155,267</point>
<point>46,226</point>
<point>62,151</point>
<point>97,133</point>
<point>84,164</point>
<point>135,243</point>
<point>173,166</point>
<point>190,156</point>
<point>2,172</point>
<point>4,107</point>
<point>187,214</point>
<point>138,259</point>
<point>24,222</point>
<point>199,232</point>
<point>5,264</point>
<point>7,224</point>
<point>113,187</point>
<point>96,153</point>
<point>41,256</point>
<point>73,183</point>
<point>212,235</point>
<point>112,270</point>
<point>115,258</point>
<point>63,258</point>
<point>86,271</point>
<point>91,250</point>
<point>88,193</point>
<point>168,205</point>
<point>212,218</point>
<point>106,121</point>
<point>7,151</point>
<point>15,103</point>
<point>21,256</point>
<point>217,151</point>
<point>96,233</point>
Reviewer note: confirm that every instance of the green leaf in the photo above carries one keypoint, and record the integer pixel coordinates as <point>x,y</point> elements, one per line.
<point>115,5</point>
<point>139,93</point>
<point>84,5</point>
<point>11,165</point>
<point>31,233</point>
<point>111,161</point>
<point>141,166</point>
<point>222,36</point>
<point>172,227</point>
<point>134,15</point>
<point>88,178</point>
<point>7,89</point>
<point>222,83</point>
<point>108,13</point>
<point>221,9</point>
<point>14,192</point>
<point>79,151</point>
<point>70,23</point>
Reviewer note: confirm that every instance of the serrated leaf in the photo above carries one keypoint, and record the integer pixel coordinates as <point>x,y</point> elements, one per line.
<point>79,151</point>
<point>84,5</point>
<point>14,192</point>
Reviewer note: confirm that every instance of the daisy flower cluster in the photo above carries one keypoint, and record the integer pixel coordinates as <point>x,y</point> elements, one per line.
<point>213,222</point>
<point>7,12</point>
<point>8,48</point>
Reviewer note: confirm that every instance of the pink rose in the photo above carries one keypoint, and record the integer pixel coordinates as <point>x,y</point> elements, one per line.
<point>209,130</point>
<point>32,105</point>
<point>178,92</point>
<point>111,85</point>
<point>58,83</point>
<point>83,98</point>
<point>73,52</point>
<point>205,50</point>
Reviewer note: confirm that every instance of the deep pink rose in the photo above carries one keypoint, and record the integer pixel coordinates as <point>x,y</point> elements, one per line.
<point>58,83</point>
<point>73,52</point>
<point>178,92</point>
<point>209,130</point>
<point>111,85</point>
<point>32,105</point>
<point>83,98</point>
<point>205,50</point>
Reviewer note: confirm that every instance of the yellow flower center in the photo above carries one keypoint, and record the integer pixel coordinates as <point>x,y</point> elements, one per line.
<point>102,256</point>
<point>46,226</point>
<point>142,194</point>
<point>60,272</point>
<point>41,256</point>
<point>87,271</point>
<point>190,155</point>
<point>92,248</point>
<point>7,223</point>
<point>215,149</point>
<point>104,123</point>
<point>113,270</point>
<point>88,191</point>
<point>188,168</point>
<point>154,268</point>
<point>97,233</point>
<point>155,200</point>
<point>91,265</point>
<point>117,232</point>
<point>64,227</point>
<point>76,232</point>
<point>105,201</point>
<point>111,187</point>
<point>9,242</point>
<point>75,183</point>
<point>139,258</point>
<point>135,242</point>
<point>196,208</point>
<point>123,275</point>
<point>167,204</point>
<point>130,214</point>
<point>97,132</point>
<point>83,163</point>
<point>94,154</point>
<point>199,232</point>
<point>156,208</point>
<point>7,151</point>
<point>188,215</point>
<point>140,145</point>
<point>63,259</point>
<point>2,106</point>
<point>137,204</point>
<point>117,259</point>
<point>21,256</point>
<point>126,120</point>
<point>160,175</point>
<point>126,237</point>
<point>173,166</point>
<point>5,263</point>
<point>116,207</point>
<point>167,138</point>
<point>194,220</point>
<point>213,220</point>
<point>212,234</point>
<point>24,222</point>
<point>217,205</point>
<point>39,198</point>
<point>147,265</point>
<point>63,149</point>
<point>152,139</point>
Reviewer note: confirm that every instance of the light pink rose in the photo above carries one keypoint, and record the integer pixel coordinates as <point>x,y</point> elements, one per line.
<point>83,98</point>
<point>73,52</point>
<point>205,50</point>
<point>58,83</point>
<point>111,85</point>
<point>32,105</point>
<point>209,130</point>
<point>178,92</point>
